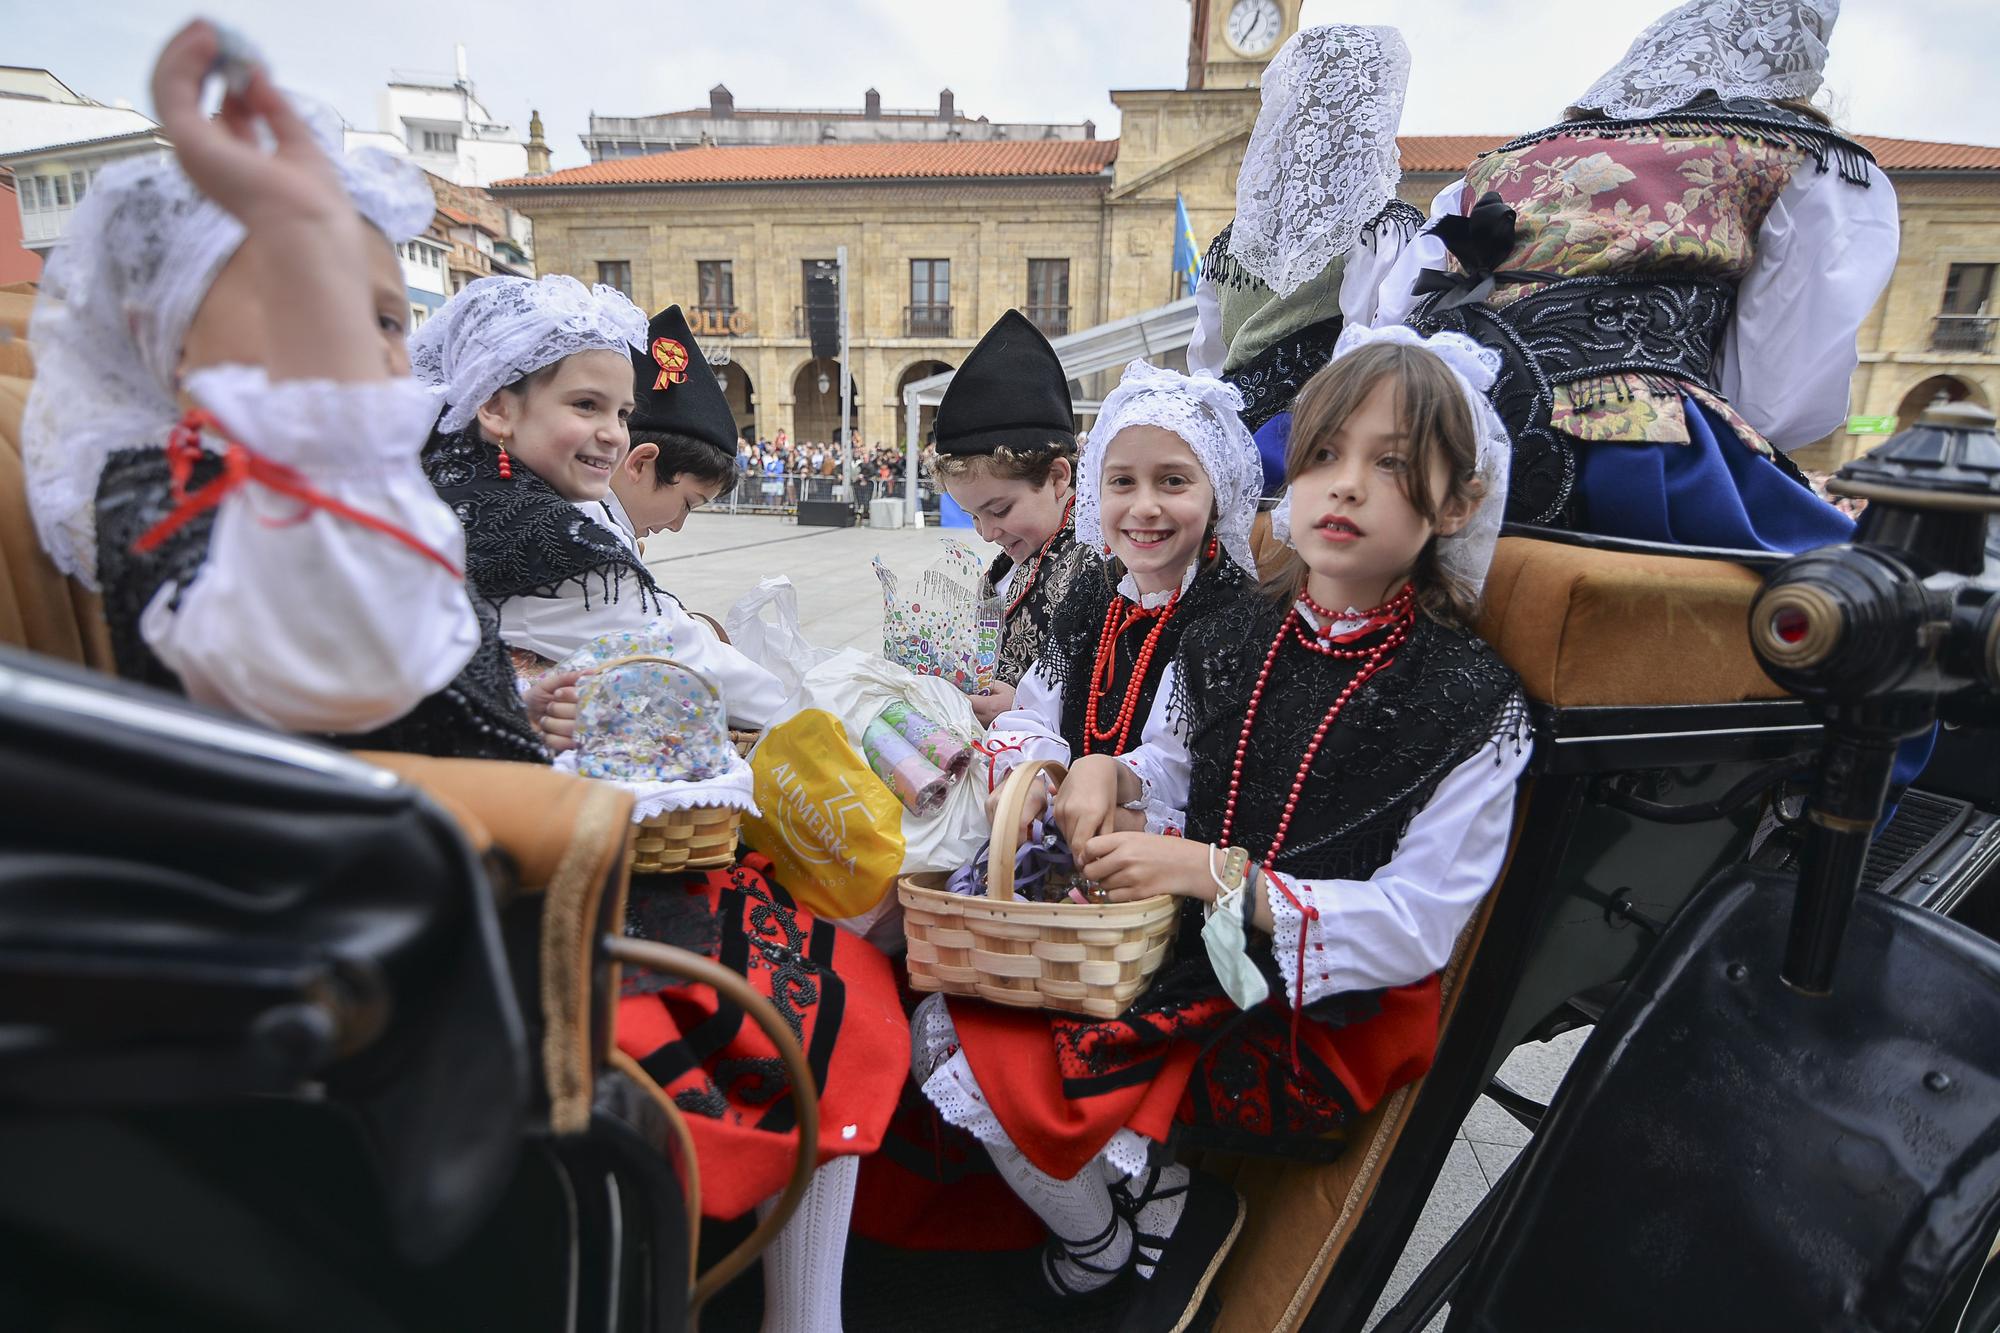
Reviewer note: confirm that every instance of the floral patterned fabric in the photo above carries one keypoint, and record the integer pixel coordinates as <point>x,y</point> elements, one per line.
<point>1641,204</point>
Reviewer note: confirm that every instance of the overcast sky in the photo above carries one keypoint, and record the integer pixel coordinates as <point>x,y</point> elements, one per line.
<point>1911,68</point>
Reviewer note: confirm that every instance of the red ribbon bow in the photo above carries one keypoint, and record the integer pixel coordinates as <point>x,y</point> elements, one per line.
<point>240,466</point>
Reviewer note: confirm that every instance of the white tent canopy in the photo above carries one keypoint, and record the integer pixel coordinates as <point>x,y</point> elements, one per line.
<point>1147,335</point>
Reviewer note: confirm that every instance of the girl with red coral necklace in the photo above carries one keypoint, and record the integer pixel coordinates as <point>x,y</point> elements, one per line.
<point>1345,751</point>
<point>1167,486</point>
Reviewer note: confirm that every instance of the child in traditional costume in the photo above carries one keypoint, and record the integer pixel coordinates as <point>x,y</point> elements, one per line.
<point>1674,275</point>
<point>1004,449</point>
<point>1317,227</point>
<point>538,381</point>
<point>1345,752</point>
<point>1168,487</point>
<point>223,435</point>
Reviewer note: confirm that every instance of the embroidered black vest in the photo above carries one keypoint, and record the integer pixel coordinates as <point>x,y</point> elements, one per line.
<point>477,716</point>
<point>1070,657</point>
<point>1445,694</point>
<point>522,539</point>
<point>1064,568</point>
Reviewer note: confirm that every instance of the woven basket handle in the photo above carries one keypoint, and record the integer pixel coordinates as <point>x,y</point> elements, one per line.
<point>663,661</point>
<point>1007,823</point>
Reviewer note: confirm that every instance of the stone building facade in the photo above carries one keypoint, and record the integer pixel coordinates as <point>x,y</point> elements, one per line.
<point>945,236</point>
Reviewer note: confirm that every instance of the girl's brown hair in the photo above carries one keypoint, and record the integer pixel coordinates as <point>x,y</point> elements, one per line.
<point>1436,422</point>
<point>1033,466</point>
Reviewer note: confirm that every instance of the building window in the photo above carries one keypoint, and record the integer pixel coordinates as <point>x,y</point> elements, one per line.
<point>616,273</point>
<point>929,312</point>
<point>417,317</point>
<point>1965,321</point>
<point>78,183</point>
<point>440,141</point>
<point>1048,295</point>
<point>716,280</point>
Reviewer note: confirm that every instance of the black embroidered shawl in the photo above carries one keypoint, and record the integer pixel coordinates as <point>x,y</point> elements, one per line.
<point>1069,657</point>
<point>522,539</point>
<point>1063,569</point>
<point>477,716</point>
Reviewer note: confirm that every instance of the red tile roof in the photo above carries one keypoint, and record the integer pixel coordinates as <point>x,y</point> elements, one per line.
<point>843,161</point>
<point>1067,157</point>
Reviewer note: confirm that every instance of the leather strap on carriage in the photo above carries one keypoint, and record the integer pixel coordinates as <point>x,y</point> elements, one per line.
<point>241,466</point>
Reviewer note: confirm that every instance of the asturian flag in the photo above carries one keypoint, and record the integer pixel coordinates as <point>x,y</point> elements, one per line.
<point>1187,251</point>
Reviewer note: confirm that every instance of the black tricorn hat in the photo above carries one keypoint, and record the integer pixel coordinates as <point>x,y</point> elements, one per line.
<point>1010,391</point>
<point>674,391</point>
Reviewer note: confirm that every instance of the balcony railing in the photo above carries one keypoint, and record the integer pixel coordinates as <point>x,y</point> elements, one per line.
<point>1964,333</point>
<point>927,321</point>
<point>718,321</point>
<point>1052,320</point>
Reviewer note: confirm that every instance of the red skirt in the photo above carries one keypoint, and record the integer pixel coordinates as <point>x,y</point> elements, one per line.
<point>834,990</point>
<point>1185,1062</point>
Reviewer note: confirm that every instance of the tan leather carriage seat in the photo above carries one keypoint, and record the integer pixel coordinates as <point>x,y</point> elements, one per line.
<point>40,609</point>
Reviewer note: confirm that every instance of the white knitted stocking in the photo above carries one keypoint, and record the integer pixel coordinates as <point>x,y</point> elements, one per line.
<point>1077,1212</point>
<point>802,1267</point>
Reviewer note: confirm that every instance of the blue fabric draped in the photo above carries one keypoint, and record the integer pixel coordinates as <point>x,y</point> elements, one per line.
<point>1712,491</point>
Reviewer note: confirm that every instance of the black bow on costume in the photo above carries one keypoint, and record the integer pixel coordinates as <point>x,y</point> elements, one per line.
<point>1480,241</point>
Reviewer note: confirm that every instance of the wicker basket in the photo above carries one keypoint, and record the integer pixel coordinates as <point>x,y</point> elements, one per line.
<point>702,837</point>
<point>1071,957</point>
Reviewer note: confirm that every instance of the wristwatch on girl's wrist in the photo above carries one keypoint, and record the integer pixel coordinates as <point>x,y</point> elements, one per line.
<point>1235,870</point>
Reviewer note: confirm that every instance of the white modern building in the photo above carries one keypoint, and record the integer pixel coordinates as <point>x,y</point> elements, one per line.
<point>54,142</point>
<point>441,123</point>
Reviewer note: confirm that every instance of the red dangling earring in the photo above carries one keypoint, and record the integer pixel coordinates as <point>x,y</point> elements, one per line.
<point>506,464</point>
<point>1213,547</point>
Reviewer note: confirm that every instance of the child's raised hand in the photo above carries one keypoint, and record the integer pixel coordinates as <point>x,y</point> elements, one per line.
<point>1130,866</point>
<point>1031,809</point>
<point>288,182</point>
<point>551,703</point>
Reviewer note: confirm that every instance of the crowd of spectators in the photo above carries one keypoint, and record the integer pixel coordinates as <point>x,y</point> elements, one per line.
<point>781,471</point>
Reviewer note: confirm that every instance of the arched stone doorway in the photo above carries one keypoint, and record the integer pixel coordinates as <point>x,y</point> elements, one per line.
<point>816,401</point>
<point>927,414</point>
<point>741,394</point>
<point>1925,392</point>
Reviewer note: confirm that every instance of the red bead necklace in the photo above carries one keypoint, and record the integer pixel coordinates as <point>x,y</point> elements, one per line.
<point>1028,580</point>
<point>1119,617</point>
<point>1398,614</point>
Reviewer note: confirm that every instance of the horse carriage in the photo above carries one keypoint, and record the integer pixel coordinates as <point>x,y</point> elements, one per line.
<point>294,1038</point>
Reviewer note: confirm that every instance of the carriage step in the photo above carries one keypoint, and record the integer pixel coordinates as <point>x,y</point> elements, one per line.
<point>1935,851</point>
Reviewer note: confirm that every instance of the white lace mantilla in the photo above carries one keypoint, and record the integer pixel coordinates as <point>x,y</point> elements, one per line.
<point>1322,160</point>
<point>500,329</point>
<point>1768,49</point>
<point>1207,414</point>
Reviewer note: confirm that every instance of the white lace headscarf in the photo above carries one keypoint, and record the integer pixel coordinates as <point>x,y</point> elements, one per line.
<point>1207,414</point>
<point>115,304</point>
<point>500,329</point>
<point>1465,556</point>
<point>1322,160</point>
<point>1769,49</point>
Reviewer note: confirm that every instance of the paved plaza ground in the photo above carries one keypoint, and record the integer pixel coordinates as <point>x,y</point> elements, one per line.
<point>718,558</point>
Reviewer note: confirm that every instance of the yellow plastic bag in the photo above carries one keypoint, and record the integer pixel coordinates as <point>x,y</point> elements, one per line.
<point>833,832</point>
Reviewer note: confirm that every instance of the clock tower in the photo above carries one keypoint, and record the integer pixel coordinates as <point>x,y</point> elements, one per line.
<point>1230,41</point>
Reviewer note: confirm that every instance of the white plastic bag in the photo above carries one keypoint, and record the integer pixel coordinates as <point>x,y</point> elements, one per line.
<point>774,644</point>
<point>855,687</point>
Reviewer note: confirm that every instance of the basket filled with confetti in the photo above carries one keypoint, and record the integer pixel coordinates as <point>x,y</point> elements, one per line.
<point>658,728</point>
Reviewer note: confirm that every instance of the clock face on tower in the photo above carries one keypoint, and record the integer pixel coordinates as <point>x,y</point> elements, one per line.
<point>1254,26</point>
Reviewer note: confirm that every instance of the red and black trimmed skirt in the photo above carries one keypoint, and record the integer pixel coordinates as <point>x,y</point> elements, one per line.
<point>835,991</point>
<point>1186,1065</point>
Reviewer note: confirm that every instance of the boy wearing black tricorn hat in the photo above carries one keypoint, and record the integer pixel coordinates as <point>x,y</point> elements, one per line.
<point>1004,449</point>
